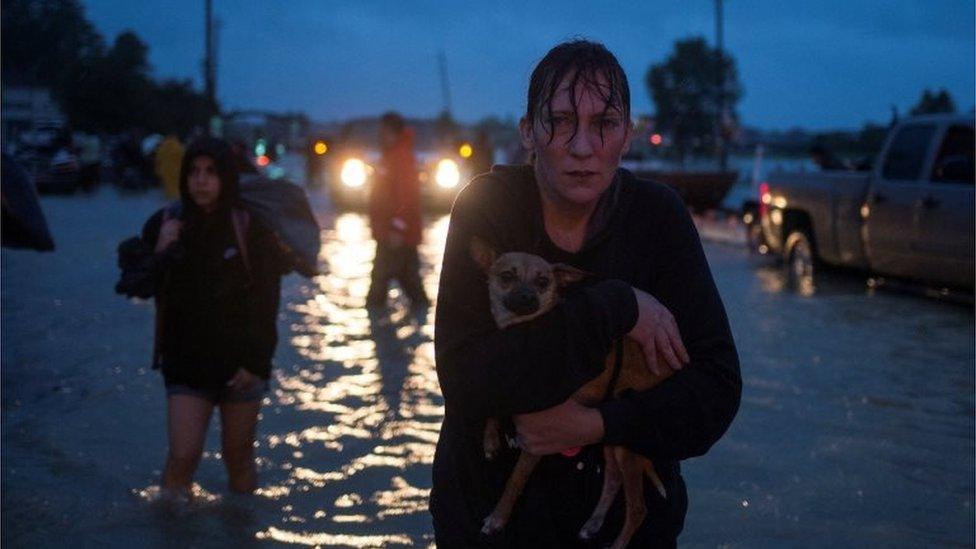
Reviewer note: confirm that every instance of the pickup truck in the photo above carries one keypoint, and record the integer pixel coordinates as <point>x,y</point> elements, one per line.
<point>910,217</point>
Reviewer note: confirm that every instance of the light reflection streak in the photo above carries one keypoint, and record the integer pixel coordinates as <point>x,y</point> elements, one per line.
<point>366,398</point>
<point>351,518</point>
<point>312,539</point>
<point>273,492</point>
<point>403,499</point>
<point>348,500</point>
<point>198,496</point>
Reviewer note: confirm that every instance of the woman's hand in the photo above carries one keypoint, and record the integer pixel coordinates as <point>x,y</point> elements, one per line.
<point>168,234</point>
<point>657,333</point>
<point>561,427</point>
<point>243,381</point>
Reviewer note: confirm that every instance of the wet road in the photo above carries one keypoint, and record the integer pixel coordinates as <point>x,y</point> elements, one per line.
<point>856,426</point>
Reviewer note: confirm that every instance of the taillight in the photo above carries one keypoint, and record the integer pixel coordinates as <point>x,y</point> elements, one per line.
<point>764,198</point>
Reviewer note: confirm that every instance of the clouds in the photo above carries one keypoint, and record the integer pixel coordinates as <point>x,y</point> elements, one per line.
<point>820,64</point>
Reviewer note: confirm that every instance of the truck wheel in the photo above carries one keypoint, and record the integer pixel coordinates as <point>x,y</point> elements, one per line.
<point>800,262</point>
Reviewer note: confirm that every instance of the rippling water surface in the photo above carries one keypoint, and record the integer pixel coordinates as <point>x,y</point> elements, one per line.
<point>856,426</point>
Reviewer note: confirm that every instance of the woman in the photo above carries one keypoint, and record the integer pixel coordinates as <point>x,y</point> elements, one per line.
<point>215,273</point>
<point>575,205</point>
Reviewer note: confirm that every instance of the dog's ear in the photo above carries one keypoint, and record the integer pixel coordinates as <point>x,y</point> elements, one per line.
<point>482,253</point>
<point>567,274</point>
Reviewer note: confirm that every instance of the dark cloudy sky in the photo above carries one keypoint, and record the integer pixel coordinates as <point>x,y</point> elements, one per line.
<point>814,63</point>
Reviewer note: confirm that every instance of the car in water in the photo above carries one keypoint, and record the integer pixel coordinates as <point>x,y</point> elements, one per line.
<point>352,173</point>
<point>910,217</point>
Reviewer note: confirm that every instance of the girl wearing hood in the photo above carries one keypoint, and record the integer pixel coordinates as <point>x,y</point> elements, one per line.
<point>217,289</point>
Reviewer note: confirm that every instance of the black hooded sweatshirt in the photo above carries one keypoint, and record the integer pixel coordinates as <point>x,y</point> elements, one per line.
<point>641,236</point>
<point>218,312</point>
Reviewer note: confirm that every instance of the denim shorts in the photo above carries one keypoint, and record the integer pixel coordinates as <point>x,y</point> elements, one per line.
<point>227,394</point>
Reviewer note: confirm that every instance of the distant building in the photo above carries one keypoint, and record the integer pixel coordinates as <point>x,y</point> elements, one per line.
<point>288,129</point>
<point>24,109</point>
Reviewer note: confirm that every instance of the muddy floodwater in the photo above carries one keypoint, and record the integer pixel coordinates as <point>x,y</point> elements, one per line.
<point>856,426</point>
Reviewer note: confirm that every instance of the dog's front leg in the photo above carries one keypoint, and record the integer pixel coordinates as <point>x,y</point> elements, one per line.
<point>513,489</point>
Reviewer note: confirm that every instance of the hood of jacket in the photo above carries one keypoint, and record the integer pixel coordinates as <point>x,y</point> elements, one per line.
<point>222,155</point>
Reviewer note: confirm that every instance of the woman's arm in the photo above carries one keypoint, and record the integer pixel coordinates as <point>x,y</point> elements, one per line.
<point>689,412</point>
<point>487,372</point>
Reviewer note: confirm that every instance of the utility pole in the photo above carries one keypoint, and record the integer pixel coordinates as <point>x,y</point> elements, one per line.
<point>209,67</point>
<point>445,87</point>
<point>722,153</point>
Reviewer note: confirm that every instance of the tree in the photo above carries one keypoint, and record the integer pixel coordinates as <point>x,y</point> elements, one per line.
<point>931,103</point>
<point>43,38</point>
<point>176,108</point>
<point>686,93</point>
<point>50,43</point>
<point>111,92</point>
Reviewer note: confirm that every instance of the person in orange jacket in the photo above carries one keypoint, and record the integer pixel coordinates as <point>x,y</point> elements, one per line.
<point>169,158</point>
<point>394,215</point>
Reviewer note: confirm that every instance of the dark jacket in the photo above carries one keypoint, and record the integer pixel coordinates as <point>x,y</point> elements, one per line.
<point>643,237</point>
<point>217,297</point>
<point>396,194</point>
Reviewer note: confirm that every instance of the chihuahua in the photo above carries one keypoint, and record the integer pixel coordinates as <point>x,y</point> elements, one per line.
<point>522,287</point>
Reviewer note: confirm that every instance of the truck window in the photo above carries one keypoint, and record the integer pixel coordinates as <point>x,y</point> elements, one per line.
<point>907,153</point>
<point>955,162</point>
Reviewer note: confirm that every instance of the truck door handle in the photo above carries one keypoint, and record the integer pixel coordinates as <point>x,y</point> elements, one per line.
<point>879,198</point>
<point>931,203</point>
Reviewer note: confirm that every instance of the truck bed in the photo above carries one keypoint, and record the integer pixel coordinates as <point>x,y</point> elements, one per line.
<point>832,200</point>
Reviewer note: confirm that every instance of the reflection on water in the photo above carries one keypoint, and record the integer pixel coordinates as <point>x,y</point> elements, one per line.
<point>856,425</point>
<point>321,538</point>
<point>364,400</point>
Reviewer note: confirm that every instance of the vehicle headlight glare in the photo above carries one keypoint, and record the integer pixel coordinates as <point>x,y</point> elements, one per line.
<point>447,175</point>
<point>354,173</point>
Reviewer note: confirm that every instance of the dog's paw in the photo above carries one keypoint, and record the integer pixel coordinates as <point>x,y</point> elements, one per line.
<point>492,525</point>
<point>492,442</point>
<point>492,445</point>
<point>591,528</point>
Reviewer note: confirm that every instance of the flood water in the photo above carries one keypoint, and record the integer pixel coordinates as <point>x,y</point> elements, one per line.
<point>856,426</point>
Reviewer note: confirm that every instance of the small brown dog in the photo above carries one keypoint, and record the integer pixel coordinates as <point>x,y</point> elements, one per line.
<point>522,287</point>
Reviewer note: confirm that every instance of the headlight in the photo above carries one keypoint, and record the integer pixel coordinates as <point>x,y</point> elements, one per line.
<point>354,172</point>
<point>447,174</point>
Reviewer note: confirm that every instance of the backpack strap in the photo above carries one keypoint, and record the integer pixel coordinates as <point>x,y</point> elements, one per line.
<point>169,212</point>
<point>242,222</point>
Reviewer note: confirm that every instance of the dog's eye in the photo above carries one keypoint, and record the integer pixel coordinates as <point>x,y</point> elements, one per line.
<point>506,277</point>
<point>542,282</point>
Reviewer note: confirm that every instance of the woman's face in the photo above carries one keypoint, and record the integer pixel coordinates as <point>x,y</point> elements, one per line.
<point>575,169</point>
<point>204,183</point>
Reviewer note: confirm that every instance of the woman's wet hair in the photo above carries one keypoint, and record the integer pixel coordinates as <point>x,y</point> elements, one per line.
<point>587,63</point>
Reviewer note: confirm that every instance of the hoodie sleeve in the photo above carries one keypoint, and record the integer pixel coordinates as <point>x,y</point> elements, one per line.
<point>684,416</point>
<point>264,301</point>
<point>487,372</point>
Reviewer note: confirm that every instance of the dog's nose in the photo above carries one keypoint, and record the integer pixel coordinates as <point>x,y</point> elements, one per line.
<point>522,301</point>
